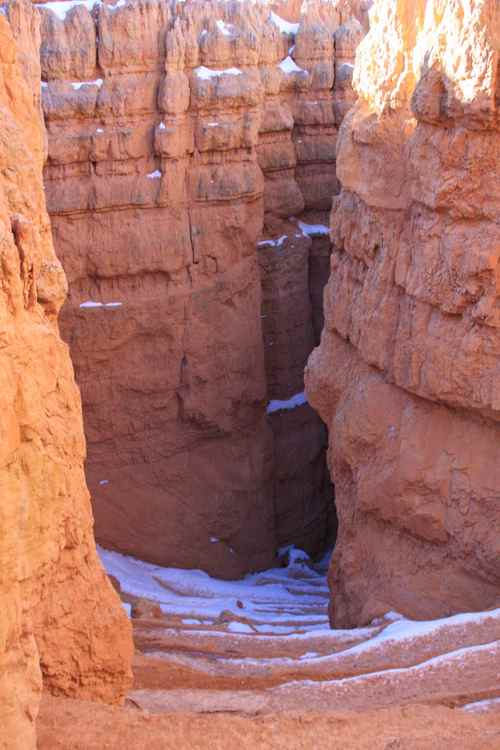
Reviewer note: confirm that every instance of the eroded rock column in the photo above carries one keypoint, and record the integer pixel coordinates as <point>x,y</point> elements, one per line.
<point>406,377</point>
<point>60,620</point>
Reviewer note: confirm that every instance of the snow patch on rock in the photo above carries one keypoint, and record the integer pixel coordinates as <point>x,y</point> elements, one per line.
<point>207,73</point>
<point>273,243</point>
<point>299,399</point>
<point>78,84</point>
<point>284,26</point>
<point>313,229</point>
<point>288,65</point>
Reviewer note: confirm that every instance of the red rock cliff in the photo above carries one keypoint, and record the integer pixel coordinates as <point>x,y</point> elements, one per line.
<point>406,377</point>
<point>60,620</point>
<point>174,131</point>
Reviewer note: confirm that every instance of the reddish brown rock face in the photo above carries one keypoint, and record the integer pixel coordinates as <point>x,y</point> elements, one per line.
<point>168,148</point>
<point>302,489</point>
<point>406,377</point>
<point>59,615</point>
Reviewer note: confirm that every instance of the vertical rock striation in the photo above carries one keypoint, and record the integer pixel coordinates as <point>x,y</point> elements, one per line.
<point>406,377</point>
<point>175,131</point>
<point>60,620</point>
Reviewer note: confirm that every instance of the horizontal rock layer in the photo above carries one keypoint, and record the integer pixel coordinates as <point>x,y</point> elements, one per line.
<point>406,377</point>
<point>168,149</point>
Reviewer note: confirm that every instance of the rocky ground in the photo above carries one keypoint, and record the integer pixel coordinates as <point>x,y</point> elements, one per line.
<point>254,664</point>
<point>414,728</point>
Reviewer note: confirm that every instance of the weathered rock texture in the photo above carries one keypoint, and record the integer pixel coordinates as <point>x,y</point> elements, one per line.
<point>172,129</point>
<point>59,616</point>
<point>406,377</point>
<point>423,727</point>
<point>302,488</point>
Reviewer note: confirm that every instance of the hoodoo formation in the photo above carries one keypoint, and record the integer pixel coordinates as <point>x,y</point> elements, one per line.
<point>194,196</point>
<point>60,619</point>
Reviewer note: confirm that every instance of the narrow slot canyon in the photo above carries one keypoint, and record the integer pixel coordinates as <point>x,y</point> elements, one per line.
<point>190,212</point>
<point>249,345</point>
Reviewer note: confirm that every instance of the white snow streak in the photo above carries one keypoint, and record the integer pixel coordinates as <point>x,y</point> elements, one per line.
<point>78,84</point>
<point>299,399</point>
<point>290,66</point>
<point>484,705</point>
<point>207,73</point>
<point>273,243</point>
<point>61,9</point>
<point>312,229</point>
<point>284,26</point>
<point>92,303</point>
<point>453,658</point>
<point>239,627</point>
<point>226,28</point>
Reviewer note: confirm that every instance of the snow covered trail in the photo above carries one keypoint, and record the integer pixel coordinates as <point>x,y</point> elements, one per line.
<point>263,644</point>
<point>292,600</point>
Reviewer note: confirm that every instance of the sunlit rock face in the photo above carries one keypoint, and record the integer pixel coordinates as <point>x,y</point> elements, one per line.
<point>59,614</point>
<point>180,137</point>
<point>406,377</point>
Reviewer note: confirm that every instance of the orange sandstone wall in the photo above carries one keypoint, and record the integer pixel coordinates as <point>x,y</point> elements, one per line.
<point>406,377</point>
<point>181,135</point>
<point>60,620</point>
